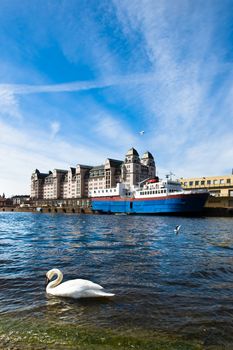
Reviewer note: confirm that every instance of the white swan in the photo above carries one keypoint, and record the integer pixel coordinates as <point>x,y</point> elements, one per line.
<point>77,288</point>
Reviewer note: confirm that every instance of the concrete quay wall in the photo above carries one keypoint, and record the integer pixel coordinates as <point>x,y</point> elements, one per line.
<point>215,206</point>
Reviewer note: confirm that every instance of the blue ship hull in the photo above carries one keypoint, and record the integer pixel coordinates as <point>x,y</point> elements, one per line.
<point>179,204</point>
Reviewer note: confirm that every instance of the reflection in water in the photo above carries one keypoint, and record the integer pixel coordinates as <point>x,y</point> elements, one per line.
<point>163,281</point>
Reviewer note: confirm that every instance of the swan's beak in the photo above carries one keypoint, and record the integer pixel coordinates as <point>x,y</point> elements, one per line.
<point>46,281</point>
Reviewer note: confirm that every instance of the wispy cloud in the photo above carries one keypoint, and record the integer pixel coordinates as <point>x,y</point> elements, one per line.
<point>27,150</point>
<point>55,127</point>
<point>9,104</point>
<point>113,131</point>
<point>20,89</point>
<point>184,101</point>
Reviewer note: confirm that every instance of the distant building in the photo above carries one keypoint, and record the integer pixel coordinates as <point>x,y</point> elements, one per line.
<point>77,182</point>
<point>20,199</point>
<point>219,186</point>
<point>4,202</point>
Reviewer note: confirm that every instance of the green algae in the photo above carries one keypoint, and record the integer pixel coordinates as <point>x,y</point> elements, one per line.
<point>33,334</point>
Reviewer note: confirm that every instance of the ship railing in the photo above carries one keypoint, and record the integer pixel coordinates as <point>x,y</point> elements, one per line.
<point>203,190</point>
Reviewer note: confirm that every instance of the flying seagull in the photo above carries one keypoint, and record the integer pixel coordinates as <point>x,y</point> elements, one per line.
<point>142,132</point>
<point>177,229</point>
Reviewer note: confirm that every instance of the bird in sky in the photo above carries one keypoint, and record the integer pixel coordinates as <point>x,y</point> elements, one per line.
<point>177,229</point>
<point>142,132</point>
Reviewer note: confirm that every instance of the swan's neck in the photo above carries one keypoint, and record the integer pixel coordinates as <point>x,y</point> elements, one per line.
<point>57,281</point>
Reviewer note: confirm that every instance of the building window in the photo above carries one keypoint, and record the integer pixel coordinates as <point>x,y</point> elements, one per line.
<point>208,182</point>
<point>215,182</point>
<point>202,182</point>
<point>190,183</point>
<point>222,181</point>
<point>196,183</point>
<point>228,181</point>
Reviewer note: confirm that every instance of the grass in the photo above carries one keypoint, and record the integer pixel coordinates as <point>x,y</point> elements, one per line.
<point>35,334</point>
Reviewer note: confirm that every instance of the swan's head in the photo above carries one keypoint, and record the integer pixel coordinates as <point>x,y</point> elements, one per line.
<point>51,273</point>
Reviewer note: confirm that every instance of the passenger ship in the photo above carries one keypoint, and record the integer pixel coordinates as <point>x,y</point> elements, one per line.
<point>153,196</point>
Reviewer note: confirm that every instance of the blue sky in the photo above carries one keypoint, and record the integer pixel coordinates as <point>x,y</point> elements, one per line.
<point>79,80</point>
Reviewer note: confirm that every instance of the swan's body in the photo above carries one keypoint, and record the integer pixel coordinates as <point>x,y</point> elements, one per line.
<point>77,288</point>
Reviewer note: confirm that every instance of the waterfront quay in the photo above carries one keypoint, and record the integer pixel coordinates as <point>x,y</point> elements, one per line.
<point>69,206</point>
<point>215,206</point>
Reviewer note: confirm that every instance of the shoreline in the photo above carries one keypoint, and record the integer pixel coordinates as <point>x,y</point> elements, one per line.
<point>34,334</point>
<point>207,212</point>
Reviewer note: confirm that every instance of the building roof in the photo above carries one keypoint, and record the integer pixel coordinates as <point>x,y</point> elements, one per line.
<point>98,167</point>
<point>132,152</point>
<point>61,170</point>
<point>73,171</point>
<point>115,163</point>
<point>147,155</point>
<point>42,175</point>
<point>82,166</point>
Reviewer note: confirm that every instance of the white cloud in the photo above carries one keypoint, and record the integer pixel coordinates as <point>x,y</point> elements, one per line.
<point>182,103</point>
<point>55,128</point>
<point>22,151</point>
<point>19,89</point>
<point>9,104</point>
<point>113,131</point>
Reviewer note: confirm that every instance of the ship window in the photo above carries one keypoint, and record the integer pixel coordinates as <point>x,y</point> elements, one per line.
<point>102,191</point>
<point>140,193</point>
<point>106,190</point>
<point>151,192</point>
<point>158,191</point>
<point>94,191</point>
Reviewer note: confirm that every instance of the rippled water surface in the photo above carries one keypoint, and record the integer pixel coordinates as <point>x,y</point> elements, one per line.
<point>163,281</point>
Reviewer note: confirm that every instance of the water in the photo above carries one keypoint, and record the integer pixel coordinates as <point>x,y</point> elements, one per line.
<point>181,284</point>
